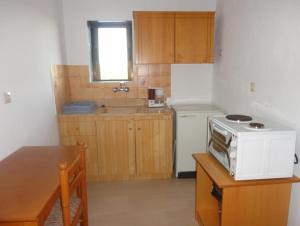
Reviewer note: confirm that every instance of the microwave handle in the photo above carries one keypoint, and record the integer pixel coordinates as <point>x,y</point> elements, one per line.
<point>210,133</point>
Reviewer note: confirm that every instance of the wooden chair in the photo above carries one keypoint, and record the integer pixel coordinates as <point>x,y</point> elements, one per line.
<point>71,208</point>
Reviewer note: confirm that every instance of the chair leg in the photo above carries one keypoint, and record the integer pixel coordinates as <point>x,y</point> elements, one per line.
<point>84,219</point>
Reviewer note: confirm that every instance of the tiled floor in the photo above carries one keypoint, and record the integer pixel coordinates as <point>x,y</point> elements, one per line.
<point>142,203</point>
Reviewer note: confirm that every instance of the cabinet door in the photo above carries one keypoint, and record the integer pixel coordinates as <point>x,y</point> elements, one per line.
<point>116,149</point>
<point>72,132</point>
<point>154,37</point>
<point>194,37</point>
<point>154,148</point>
<point>91,153</point>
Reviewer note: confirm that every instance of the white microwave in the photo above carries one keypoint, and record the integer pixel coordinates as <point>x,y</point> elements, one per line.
<point>249,152</point>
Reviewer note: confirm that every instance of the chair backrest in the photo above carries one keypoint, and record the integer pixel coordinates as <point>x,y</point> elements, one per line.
<point>73,190</point>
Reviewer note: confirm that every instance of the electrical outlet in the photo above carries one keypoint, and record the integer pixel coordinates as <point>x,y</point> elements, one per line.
<point>7,97</point>
<point>252,87</point>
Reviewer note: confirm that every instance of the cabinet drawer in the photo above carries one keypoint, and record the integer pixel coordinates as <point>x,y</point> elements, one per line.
<point>77,128</point>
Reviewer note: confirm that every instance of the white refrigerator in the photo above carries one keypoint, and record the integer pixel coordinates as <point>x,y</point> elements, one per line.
<point>191,135</point>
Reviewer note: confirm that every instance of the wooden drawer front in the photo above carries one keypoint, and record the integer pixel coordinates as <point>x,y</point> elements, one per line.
<point>77,128</point>
<point>154,117</point>
<point>91,152</point>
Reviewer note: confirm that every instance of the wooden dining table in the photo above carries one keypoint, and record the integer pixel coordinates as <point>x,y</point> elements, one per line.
<point>29,183</point>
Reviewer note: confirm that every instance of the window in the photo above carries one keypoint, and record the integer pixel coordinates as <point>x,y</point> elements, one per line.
<point>111,50</point>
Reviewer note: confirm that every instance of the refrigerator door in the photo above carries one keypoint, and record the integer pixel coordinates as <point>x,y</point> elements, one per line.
<point>191,134</point>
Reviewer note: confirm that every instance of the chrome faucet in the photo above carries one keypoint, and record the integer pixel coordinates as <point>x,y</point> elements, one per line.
<point>121,88</point>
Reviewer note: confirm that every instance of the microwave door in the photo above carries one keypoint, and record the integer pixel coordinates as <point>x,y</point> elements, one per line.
<point>219,144</point>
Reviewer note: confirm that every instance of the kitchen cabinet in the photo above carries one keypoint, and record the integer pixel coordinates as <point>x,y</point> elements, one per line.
<point>77,129</point>
<point>116,148</point>
<point>236,203</point>
<point>194,37</point>
<point>122,146</point>
<point>174,37</point>
<point>154,37</point>
<point>154,147</point>
<point>134,148</point>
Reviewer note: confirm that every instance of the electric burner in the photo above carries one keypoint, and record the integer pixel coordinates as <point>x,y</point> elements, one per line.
<point>239,118</point>
<point>256,125</point>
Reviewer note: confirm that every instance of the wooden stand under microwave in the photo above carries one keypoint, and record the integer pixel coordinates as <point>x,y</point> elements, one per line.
<point>239,203</point>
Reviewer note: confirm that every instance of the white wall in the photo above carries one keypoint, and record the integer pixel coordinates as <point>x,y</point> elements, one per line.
<point>191,83</point>
<point>260,43</point>
<point>30,43</point>
<point>78,12</point>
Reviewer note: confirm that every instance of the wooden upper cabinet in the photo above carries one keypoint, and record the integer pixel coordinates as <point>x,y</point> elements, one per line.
<point>194,37</point>
<point>154,37</point>
<point>174,37</point>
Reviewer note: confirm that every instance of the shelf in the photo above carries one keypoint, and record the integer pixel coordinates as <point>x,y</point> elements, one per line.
<point>208,218</point>
<point>222,179</point>
<point>244,203</point>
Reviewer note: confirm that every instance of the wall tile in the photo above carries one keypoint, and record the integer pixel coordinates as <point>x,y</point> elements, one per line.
<point>165,70</point>
<point>142,93</point>
<point>71,83</point>
<point>165,81</point>
<point>154,70</point>
<point>154,81</point>
<point>142,69</point>
<point>73,70</point>
<point>143,81</point>
<point>60,85</point>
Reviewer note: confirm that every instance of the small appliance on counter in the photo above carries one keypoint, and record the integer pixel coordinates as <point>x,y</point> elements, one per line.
<point>252,148</point>
<point>156,97</point>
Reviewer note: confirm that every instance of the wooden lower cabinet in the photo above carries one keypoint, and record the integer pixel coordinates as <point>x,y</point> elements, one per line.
<point>242,203</point>
<point>116,149</point>
<point>122,147</point>
<point>74,130</point>
<point>154,148</point>
<point>91,153</point>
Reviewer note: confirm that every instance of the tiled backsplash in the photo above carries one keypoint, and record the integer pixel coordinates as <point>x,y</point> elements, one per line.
<point>71,83</point>
<point>61,86</point>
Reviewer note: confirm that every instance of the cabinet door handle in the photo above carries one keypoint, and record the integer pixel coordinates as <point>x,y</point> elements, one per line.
<point>139,128</point>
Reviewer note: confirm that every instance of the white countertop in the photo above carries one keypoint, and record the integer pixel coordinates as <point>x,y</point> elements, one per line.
<point>195,108</point>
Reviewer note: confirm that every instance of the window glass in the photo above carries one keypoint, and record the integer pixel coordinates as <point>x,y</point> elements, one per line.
<point>113,57</point>
<point>111,50</point>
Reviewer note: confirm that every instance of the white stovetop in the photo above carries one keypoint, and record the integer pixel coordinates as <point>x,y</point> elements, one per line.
<point>269,126</point>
